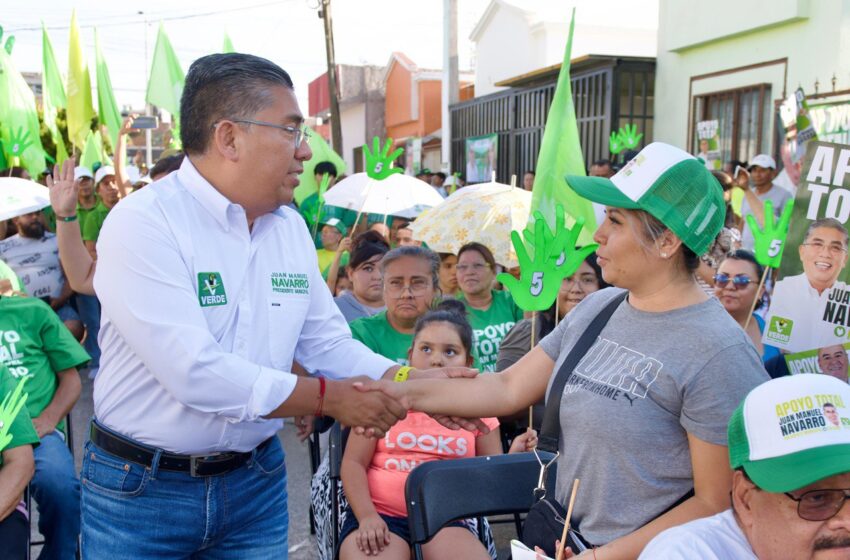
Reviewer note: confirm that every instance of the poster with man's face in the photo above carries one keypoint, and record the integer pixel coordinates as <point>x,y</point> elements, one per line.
<point>829,360</point>
<point>481,158</point>
<point>810,306</point>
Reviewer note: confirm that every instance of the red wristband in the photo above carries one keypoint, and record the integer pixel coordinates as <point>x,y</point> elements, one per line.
<point>321,397</point>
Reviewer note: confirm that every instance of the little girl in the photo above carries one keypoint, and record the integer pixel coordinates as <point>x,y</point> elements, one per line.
<point>374,472</point>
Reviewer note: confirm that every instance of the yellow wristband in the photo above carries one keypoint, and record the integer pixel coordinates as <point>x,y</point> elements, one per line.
<point>402,374</point>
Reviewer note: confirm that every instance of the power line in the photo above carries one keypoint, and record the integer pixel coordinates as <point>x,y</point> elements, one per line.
<point>139,20</point>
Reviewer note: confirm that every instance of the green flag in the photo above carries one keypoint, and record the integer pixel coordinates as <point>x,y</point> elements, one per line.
<point>52,94</point>
<point>560,155</point>
<point>165,85</point>
<point>107,108</point>
<point>228,44</point>
<point>321,152</point>
<point>19,126</point>
<point>80,109</point>
<point>92,150</point>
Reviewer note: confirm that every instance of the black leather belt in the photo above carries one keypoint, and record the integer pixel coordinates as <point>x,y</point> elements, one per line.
<point>214,464</point>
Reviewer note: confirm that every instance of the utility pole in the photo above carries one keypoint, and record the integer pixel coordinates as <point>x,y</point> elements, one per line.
<point>148,146</point>
<point>336,130</point>
<point>450,90</point>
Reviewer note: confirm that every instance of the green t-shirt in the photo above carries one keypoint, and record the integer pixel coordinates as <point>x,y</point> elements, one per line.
<point>21,430</point>
<point>94,221</point>
<point>83,215</point>
<point>35,342</point>
<point>492,325</point>
<point>380,337</point>
<point>343,262</point>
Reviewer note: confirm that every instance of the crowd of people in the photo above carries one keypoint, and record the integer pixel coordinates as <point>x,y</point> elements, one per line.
<point>207,306</point>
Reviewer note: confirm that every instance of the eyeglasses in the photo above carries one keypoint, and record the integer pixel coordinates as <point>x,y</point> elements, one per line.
<point>477,267</point>
<point>820,505</point>
<point>298,134</point>
<point>833,248</point>
<point>417,288</point>
<point>738,281</point>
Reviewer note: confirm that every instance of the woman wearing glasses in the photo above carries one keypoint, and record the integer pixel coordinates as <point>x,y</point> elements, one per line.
<point>411,280</point>
<point>736,286</point>
<point>492,313</point>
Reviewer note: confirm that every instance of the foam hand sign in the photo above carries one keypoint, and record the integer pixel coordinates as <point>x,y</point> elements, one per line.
<point>562,245</point>
<point>629,136</point>
<point>615,144</point>
<point>770,240</point>
<point>9,409</point>
<point>539,277</point>
<point>378,163</point>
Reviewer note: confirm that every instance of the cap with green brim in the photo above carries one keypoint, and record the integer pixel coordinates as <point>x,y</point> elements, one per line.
<point>668,183</point>
<point>336,223</point>
<point>791,432</point>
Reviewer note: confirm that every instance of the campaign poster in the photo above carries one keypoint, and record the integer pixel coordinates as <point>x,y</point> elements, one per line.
<point>810,306</point>
<point>413,157</point>
<point>709,144</point>
<point>481,158</point>
<point>829,360</point>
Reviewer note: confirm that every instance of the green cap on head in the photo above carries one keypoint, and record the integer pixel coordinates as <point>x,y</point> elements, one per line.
<point>671,185</point>
<point>792,432</point>
<point>338,224</point>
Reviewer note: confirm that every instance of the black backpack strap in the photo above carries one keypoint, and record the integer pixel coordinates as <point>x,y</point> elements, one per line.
<point>550,431</point>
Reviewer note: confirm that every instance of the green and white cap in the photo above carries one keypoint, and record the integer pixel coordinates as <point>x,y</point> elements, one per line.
<point>336,223</point>
<point>792,431</point>
<point>671,185</point>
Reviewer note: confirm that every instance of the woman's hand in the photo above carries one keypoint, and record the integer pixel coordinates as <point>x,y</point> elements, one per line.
<point>344,245</point>
<point>304,426</point>
<point>63,189</point>
<point>526,441</point>
<point>373,535</point>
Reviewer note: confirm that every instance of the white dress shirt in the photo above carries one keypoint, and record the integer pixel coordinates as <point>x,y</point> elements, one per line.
<point>796,300</point>
<point>202,318</point>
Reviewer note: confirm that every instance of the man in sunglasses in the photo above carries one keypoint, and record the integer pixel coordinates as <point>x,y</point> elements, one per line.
<point>800,302</point>
<point>789,443</point>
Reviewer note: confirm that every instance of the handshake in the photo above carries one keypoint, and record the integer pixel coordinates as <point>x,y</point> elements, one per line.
<point>372,407</point>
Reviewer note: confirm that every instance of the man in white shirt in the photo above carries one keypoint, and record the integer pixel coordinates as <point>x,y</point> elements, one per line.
<point>791,479</point>
<point>761,173</point>
<point>210,289</point>
<point>802,316</point>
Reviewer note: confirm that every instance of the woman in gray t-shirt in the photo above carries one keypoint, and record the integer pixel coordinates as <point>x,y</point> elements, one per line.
<point>644,414</point>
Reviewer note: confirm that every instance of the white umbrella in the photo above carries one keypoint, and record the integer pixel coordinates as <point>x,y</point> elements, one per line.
<point>20,196</point>
<point>397,195</point>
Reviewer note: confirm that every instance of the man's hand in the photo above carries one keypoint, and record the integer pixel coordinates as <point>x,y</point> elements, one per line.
<point>304,426</point>
<point>127,125</point>
<point>378,162</point>
<point>370,412</point>
<point>43,425</point>
<point>453,422</point>
<point>63,189</point>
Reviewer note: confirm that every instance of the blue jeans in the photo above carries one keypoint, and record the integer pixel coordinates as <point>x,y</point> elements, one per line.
<point>56,491</point>
<point>131,511</point>
<point>89,309</point>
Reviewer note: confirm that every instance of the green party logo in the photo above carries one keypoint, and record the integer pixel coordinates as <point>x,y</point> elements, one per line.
<point>780,329</point>
<point>211,289</point>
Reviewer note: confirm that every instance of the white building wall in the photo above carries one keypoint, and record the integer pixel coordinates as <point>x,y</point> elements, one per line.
<point>814,37</point>
<point>353,123</point>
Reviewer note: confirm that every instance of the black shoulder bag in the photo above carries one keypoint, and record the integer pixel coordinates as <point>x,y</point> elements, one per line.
<point>545,520</point>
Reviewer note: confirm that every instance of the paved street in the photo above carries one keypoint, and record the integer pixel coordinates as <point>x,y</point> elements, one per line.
<point>301,543</point>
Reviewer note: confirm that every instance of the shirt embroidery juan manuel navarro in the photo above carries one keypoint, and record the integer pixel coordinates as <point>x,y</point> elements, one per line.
<point>211,289</point>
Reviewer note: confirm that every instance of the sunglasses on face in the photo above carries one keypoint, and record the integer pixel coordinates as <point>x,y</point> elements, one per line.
<point>738,281</point>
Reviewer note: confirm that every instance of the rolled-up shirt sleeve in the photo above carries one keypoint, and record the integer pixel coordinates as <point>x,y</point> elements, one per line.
<point>325,344</point>
<point>146,291</point>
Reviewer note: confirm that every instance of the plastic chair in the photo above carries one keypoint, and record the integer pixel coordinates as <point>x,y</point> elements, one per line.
<point>438,492</point>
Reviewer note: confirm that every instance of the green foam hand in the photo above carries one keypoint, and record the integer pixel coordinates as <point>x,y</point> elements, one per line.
<point>540,279</point>
<point>378,163</point>
<point>562,245</point>
<point>10,44</point>
<point>629,136</point>
<point>19,141</point>
<point>615,143</point>
<point>323,188</point>
<point>9,409</point>
<point>770,240</point>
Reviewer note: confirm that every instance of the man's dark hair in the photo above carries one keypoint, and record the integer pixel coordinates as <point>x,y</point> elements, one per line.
<point>830,223</point>
<point>225,86</point>
<point>441,175</point>
<point>324,167</point>
<point>602,163</point>
<point>531,172</point>
<point>166,165</point>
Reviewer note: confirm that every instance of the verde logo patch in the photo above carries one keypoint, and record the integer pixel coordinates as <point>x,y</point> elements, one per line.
<point>211,289</point>
<point>779,329</point>
<point>290,283</point>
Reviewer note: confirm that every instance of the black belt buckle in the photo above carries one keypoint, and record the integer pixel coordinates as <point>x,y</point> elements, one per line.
<point>196,461</point>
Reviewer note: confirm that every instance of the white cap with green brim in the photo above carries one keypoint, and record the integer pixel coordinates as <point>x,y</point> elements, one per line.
<point>668,183</point>
<point>792,431</point>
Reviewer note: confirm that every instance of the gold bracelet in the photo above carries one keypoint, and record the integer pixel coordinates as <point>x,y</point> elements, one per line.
<point>402,374</point>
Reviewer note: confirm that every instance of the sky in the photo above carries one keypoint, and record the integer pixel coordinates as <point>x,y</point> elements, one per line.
<point>288,32</point>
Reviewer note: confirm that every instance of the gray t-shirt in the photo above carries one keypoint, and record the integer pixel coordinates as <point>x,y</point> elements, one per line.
<point>352,309</point>
<point>648,381</point>
<point>778,196</point>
